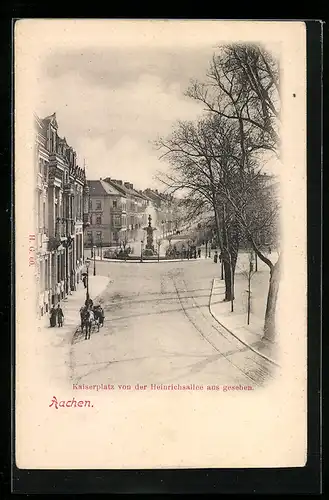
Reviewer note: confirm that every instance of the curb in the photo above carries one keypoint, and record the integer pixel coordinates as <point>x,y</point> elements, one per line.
<point>234,335</point>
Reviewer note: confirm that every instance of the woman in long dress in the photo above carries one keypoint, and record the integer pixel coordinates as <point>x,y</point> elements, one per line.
<point>53,317</point>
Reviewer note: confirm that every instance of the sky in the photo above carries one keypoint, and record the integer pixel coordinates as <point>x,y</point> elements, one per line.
<point>112,104</point>
<point>112,101</point>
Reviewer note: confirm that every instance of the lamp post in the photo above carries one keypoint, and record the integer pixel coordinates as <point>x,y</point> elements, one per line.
<point>141,250</point>
<point>94,248</point>
<point>159,244</point>
<point>87,267</point>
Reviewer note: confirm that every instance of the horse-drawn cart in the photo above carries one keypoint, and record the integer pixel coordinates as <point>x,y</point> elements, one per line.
<point>92,318</point>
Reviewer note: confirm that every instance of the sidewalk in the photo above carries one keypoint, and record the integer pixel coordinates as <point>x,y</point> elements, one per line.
<point>236,322</point>
<point>55,342</point>
<point>147,261</point>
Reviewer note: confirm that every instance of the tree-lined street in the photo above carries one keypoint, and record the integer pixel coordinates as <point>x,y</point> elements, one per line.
<point>158,329</point>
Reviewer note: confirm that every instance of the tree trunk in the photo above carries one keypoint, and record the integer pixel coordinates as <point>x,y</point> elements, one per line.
<point>229,271</point>
<point>269,325</point>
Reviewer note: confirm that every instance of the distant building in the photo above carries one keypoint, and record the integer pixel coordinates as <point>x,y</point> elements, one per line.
<point>136,205</point>
<point>108,215</point>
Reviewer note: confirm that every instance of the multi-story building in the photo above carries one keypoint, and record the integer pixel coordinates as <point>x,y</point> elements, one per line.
<point>108,215</point>
<point>60,212</point>
<point>136,205</point>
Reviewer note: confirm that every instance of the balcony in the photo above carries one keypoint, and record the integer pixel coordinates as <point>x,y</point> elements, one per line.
<point>68,188</point>
<point>64,228</point>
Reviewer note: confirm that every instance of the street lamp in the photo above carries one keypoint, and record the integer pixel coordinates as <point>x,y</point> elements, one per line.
<point>94,248</point>
<point>142,250</point>
<point>101,245</point>
<point>87,267</point>
<point>159,245</point>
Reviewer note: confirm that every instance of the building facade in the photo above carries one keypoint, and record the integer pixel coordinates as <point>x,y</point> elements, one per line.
<point>108,215</point>
<point>60,214</point>
<point>136,204</point>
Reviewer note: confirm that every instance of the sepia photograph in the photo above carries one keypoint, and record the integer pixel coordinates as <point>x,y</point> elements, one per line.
<point>161,244</point>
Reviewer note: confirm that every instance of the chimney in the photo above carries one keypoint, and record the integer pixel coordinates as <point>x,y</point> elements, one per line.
<point>127,185</point>
<point>131,186</point>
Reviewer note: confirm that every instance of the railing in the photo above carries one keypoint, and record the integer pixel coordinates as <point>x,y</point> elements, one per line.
<point>64,228</point>
<point>68,188</point>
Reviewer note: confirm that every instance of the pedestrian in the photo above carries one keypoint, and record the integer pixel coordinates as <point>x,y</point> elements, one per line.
<point>84,280</point>
<point>269,250</point>
<point>53,317</point>
<point>216,257</point>
<point>199,253</point>
<point>89,303</point>
<point>83,311</point>
<point>60,316</point>
<point>194,254</point>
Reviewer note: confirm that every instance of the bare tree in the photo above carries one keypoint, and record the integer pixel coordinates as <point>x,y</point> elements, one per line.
<point>206,160</point>
<point>191,155</point>
<point>243,87</point>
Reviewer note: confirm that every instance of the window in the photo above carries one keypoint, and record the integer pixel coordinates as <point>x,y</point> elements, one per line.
<point>90,204</point>
<point>90,237</point>
<point>115,204</point>
<point>98,220</point>
<point>99,236</point>
<point>117,221</point>
<point>98,205</point>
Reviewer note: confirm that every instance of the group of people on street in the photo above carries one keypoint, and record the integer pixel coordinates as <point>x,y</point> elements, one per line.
<point>56,316</point>
<point>91,312</point>
<point>184,253</point>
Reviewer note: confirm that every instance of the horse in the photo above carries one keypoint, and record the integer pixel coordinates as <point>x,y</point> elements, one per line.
<point>87,322</point>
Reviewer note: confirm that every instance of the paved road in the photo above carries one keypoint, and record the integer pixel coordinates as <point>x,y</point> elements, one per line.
<point>158,330</point>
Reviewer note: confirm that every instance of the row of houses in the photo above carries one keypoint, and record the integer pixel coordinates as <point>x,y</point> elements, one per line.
<point>118,213</point>
<point>61,214</point>
<point>72,213</point>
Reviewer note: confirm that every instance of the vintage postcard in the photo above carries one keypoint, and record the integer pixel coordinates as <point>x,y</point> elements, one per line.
<point>161,264</point>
